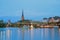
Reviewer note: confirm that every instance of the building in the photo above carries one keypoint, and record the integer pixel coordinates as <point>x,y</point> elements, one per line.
<point>52,20</point>
<point>22,16</point>
<point>23,20</point>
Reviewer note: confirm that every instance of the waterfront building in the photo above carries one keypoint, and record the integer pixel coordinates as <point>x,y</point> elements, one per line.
<point>52,20</point>
<point>45,20</point>
<point>57,20</point>
<point>8,23</point>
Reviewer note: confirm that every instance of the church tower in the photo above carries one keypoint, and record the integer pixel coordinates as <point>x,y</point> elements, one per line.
<point>22,16</point>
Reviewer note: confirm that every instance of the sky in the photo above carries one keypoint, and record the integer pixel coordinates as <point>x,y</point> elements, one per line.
<point>33,9</point>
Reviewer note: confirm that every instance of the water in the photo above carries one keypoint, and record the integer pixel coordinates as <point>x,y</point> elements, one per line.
<point>27,34</point>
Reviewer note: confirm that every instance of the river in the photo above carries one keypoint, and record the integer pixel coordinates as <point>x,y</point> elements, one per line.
<point>27,34</point>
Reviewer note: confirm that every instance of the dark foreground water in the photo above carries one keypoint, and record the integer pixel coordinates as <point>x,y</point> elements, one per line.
<point>26,34</point>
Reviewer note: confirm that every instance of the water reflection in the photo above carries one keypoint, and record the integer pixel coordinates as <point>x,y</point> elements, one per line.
<point>59,33</point>
<point>52,33</point>
<point>8,34</point>
<point>19,32</point>
<point>27,34</point>
<point>41,34</point>
<point>31,34</point>
<point>0,35</point>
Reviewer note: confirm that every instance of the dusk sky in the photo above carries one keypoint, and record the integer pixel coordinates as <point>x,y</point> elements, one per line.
<point>33,9</point>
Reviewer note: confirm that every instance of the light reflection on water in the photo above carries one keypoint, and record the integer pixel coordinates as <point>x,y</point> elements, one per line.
<point>59,34</point>
<point>34,34</point>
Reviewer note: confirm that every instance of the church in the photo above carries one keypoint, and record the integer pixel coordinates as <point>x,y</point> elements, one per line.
<point>23,20</point>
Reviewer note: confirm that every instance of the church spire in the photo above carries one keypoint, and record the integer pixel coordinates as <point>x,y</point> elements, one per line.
<point>22,16</point>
